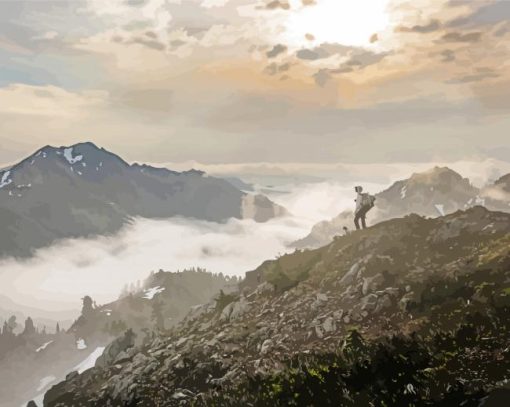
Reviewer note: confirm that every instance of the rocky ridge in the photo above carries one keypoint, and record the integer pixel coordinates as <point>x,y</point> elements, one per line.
<point>401,276</point>
<point>431,193</point>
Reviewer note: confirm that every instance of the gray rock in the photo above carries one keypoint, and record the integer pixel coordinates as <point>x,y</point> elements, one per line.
<point>266,346</point>
<point>383,303</point>
<point>369,302</point>
<point>329,325</point>
<point>352,274</point>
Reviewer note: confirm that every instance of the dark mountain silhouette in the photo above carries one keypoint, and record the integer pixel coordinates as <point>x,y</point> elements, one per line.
<point>307,328</point>
<point>432,193</point>
<point>84,190</point>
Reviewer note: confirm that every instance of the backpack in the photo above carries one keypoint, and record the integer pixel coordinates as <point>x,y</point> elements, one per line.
<point>367,200</point>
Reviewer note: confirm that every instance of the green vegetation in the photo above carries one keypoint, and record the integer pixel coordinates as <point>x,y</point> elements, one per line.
<point>442,368</point>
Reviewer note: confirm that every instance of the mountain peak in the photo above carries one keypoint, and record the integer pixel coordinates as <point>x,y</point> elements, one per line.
<point>436,174</point>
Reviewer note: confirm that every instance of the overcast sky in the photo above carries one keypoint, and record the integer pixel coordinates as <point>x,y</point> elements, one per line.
<point>231,81</point>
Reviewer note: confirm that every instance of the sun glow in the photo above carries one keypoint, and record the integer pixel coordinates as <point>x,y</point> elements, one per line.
<point>347,22</point>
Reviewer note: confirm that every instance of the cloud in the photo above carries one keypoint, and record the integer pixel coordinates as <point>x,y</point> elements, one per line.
<point>47,101</point>
<point>276,50</point>
<point>149,42</point>
<point>274,68</point>
<point>488,14</point>
<point>462,37</point>
<point>278,4</point>
<point>432,26</point>
<point>479,75</point>
<point>312,54</point>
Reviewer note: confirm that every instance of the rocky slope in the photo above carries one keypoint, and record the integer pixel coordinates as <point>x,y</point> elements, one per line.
<point>433,193</point>
<point>84,190</point>
<point>403,276</point>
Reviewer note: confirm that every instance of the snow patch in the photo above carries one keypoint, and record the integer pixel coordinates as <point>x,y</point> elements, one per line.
<point>89,361</point>
<point>45,381</point>
<point>42,347</point>
<point>403,192</point>
<point>479,201</point>
<point>151,292</point>
<point>80,344</point>
<point>68,154</point>
<point>440,209</point>
<point>489,226</point>
<point>5,179</point>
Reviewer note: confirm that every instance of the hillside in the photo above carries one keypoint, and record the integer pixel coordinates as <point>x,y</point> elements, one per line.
<point>31,362</point>
<point>432,193</point>
<point>421,315</point>
<point>162,301</point>
<point>83,190</point>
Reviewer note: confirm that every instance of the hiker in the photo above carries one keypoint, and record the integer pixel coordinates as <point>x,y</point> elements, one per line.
<point>364,202</point>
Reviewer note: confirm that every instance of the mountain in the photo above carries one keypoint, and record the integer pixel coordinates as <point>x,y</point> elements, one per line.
<point>430,193</point>
<point>83,190</point>
<point>497,195</point>
<point>420,318</point>
<point>435,192</point>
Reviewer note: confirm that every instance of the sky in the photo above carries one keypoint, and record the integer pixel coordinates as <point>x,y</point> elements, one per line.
<point>244,81</point>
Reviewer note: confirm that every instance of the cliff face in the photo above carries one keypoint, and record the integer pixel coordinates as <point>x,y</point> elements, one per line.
<point>403,276</point>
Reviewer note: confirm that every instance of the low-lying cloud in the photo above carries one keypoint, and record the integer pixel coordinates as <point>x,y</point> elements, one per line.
<point>57,277</point>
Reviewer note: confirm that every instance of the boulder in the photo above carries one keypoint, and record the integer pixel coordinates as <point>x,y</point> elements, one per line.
<point>266,345</point>
<point>329,325</point>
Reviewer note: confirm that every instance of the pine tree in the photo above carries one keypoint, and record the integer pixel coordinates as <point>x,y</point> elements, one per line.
<point>87,308</point>
<point>29,327</point>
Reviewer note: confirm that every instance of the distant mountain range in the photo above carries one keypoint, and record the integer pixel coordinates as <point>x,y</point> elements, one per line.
<point>432,193</point>
<point>83,190</point>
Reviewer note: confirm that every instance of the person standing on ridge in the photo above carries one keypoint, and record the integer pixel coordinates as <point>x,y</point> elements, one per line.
<point>364,202</point>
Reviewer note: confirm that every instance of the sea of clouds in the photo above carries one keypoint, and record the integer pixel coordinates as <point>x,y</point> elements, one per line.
<point>58,276</point>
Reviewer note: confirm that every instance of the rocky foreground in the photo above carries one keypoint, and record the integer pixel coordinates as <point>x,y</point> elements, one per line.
<point>412,311</point>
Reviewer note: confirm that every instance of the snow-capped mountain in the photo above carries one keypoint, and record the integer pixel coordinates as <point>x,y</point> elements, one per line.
<point>435,192</point>
<point>84,190</point>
